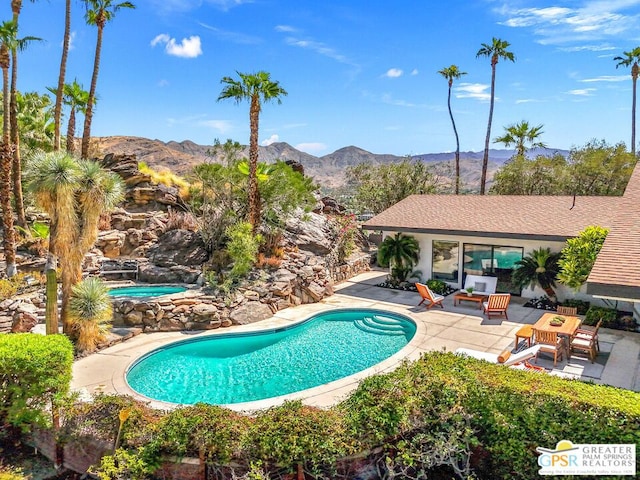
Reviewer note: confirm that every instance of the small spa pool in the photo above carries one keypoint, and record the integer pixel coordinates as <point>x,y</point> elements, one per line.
<point>243,367</point>
<point>144,291</point>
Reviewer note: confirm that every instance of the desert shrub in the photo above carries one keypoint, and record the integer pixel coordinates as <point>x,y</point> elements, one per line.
<point>99,420</point>
<point>213,433</point>
<point>11,473</point>
<point>90,312</point>
<point>16,284</point>
<point>415,418</point>
<point>581,305</point>
<point>242,247</point>
<point>595,314</point>
<point>294,436</point>
<point>166,177</point>
<point>268,262</point>
<point>35,371</point>
<point>124,465</point>
<point>344,229</point>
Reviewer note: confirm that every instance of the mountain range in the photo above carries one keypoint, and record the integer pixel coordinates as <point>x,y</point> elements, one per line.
<point>329,171</point>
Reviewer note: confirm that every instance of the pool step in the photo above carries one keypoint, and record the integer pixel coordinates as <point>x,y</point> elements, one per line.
<point>382,325</point>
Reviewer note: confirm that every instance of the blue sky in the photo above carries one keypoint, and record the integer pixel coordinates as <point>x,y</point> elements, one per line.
<point>357,72</point>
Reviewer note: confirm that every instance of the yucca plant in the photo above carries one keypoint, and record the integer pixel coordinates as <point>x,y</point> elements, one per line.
<point>538,268</point>
<point>90,312</point>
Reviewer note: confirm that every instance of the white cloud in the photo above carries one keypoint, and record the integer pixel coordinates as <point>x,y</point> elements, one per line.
<point>171,6</point>
<point>607,78</point>
<point>588,48</point>
<point>285,28</point>
<point>589,20</point>
<point>582,92</point>
<point>528,100</point>
<point>220,126</point>
<point>414,71</point>
<point>473,90</point>
<point>72,37</point>
<point>393,73</point>
<point>386,98</point>
<point>311,147</point>
<point>187,48</point>
<point>163,83</point>
<point>235,37</point>
<point>272,139</point>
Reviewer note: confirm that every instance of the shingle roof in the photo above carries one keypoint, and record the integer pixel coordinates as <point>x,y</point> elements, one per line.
<point>616,272</point>
<point>507,216</point>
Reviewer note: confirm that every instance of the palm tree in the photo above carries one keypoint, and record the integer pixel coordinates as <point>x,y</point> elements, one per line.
<point>76,99</point>
<point>453,73</point>
<point>495,51</point>
<point>631,58</point>
<point>520,133</point>
<point>90,311</point>
<point>63,70</point>
<point>18,44</point>
<point>538,268</point>
<point>256,88</point>
<point>8,32</point>
<point>74,193</point>
<point>99,12</point>
<point>399,250</point>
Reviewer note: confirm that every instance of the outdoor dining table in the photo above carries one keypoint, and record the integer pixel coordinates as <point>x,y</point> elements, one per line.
<point>567,329</point>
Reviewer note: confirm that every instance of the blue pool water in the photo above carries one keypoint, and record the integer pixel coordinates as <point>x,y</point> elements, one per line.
<point>144,291</point>
<point>243,367</point>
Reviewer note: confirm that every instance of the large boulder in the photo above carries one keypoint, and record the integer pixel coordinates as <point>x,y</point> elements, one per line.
<point>310,232</point>
<point>178,247</point>
<point>250,312</point>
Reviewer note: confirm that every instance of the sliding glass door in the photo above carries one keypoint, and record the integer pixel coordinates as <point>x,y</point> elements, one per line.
<point>495,261</point>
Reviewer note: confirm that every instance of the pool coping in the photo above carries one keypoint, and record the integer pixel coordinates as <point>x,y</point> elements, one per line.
<point>323,395</point>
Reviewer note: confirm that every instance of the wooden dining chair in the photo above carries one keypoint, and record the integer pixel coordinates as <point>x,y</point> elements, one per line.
<point>549,342</point>
<point>584,344</point>
<point>573,311</point>
<point>588,333</point>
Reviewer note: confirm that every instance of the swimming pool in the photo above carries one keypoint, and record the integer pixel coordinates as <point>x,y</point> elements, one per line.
<point>244,367</point>
<point>141,291</point>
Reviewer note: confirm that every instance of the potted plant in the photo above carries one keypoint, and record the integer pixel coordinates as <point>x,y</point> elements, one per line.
<point>469,291</point>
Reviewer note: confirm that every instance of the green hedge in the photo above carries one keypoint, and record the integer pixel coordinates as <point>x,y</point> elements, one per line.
<point>595,314</point>
<point>442,415</point>
<point>34,371</point>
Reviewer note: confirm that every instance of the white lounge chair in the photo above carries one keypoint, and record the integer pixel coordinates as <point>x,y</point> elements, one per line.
<point>493,357</point>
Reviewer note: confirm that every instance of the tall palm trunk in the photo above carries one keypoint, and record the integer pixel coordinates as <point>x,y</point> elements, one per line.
<point>6,158</point>
<point>254,194</point>
<point>455,131</point>
<point>86,135</point>
<point>634,76</point>
<point>16,172</point>
<point>485,157</point>
<point>71,132</point>
<point>63,70</point>
<point>16,7</point>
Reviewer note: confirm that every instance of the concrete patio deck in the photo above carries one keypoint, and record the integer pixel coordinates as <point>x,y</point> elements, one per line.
<point>618,363</point>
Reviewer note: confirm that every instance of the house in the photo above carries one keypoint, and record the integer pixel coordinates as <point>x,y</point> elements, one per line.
<point>474,234</point>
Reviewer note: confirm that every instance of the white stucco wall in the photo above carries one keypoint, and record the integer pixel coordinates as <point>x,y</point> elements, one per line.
<point>563,292</point>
